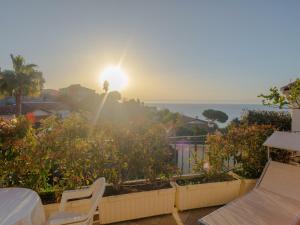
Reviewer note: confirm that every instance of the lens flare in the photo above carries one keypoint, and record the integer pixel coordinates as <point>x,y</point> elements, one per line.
<point>116,78</point>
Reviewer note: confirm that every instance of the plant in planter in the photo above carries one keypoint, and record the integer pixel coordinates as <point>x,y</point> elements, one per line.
<point>243,145</point>
<point>211,186</point>
<point>138,152</point>
<point>251,155</point>
<point>18,155</point>
<point>69,154</point>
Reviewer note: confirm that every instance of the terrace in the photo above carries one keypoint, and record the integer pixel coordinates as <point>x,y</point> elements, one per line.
<point>189,217</point>
<point>124,164</point>
<point>196,194</point>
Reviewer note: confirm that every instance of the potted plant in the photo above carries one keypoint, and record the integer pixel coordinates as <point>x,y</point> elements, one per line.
<point>141,152</point>
<point>211,186</point>
<point>134,159</point>
<point>242,144</point>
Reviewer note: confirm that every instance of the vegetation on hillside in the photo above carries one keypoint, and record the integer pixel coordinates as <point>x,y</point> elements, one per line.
<point>279,120</point>
<point>111,107</point>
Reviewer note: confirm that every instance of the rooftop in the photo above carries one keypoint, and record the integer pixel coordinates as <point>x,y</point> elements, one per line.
<point>28,107</point>
<point>287,87</point>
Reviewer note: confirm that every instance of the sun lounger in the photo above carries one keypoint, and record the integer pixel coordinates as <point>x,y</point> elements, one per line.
<point>274,201</point>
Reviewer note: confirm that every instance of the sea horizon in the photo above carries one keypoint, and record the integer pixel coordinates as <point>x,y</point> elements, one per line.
<point>195,110</point>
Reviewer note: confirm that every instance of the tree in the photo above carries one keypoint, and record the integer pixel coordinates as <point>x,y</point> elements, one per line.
<point>243,146</point>
<point>23,80</point>
<point>105,86</point>
<point>279,120</point>
<point>215,115</point>
<point>290,100</point>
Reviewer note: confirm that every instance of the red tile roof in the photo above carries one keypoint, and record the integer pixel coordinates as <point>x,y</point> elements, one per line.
<point>287,87</point>
<point>28,107</point>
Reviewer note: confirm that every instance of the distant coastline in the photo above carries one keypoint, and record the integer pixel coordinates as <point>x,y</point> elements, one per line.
<point>233,110</point>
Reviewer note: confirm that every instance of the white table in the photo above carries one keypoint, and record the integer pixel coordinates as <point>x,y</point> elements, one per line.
<point>20,206</point>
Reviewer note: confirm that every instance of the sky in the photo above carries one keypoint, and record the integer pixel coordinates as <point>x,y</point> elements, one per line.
<point>172,50</point>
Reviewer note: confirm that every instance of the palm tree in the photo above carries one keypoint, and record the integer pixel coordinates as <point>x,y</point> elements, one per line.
<point>23,80</point>
<point>105,86</point>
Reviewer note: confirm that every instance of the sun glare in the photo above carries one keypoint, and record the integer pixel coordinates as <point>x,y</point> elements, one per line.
<point>115,76</point>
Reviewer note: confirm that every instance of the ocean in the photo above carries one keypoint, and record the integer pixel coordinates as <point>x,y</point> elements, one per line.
<point>195,110</point>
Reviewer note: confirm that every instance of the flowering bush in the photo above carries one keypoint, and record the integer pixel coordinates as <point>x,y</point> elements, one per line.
<point>66,154</point>
<point>243,146</point>
<point>17,151</point>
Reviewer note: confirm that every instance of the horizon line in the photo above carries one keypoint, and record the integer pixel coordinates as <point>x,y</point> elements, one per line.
<point>233,102</point>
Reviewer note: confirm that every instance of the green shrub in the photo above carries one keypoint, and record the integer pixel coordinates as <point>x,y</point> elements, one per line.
<point>139,151</point>
<point>251,155</point>
<point>211,168</point>
<point>279,120</point>
<point>66,154</point>
<point>244,146</point>
<point>17,154</point>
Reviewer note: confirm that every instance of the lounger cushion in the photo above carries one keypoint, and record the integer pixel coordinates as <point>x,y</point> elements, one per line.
<point>275,201</point>
<point>260,207</point>
<point>283,179</point>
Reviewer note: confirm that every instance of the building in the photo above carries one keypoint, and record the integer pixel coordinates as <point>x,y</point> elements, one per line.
<point>77,92</point>
<point>285,89</point>
<point>36,110</point>
<point>45,95</point>
<point>196,121</point>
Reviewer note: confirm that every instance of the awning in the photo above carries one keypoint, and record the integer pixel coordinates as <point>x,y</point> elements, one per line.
<point>284,140</point>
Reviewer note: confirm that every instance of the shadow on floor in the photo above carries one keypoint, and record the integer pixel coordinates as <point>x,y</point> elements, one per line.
<point>189,217</point>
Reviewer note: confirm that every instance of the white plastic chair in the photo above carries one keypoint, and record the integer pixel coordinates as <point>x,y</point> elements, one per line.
<point>96,191</point>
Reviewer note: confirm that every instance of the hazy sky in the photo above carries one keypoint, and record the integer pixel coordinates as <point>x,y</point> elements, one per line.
<point>196,51</point>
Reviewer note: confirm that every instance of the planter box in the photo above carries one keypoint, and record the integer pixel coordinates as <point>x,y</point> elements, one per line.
<point>207,194</point>
<point>126,206</point>
<point>247,185</point>
<point>136,205</point>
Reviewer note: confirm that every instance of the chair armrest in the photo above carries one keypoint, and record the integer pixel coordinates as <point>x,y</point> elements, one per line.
<point>73,194</point>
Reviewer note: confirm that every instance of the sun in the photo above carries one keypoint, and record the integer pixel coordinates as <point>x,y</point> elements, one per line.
<point>116,78</point>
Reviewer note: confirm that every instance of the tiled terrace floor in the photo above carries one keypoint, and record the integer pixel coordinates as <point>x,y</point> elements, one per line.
<point>189,217</point>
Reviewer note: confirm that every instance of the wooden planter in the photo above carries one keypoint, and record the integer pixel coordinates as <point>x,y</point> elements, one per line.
<point>246,184</point>
<point>207,194</point>
<point>136,205</point>
<point>126,206</point>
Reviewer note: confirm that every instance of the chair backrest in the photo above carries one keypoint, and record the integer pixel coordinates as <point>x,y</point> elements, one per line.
<point>283,179</point>
<point>98,188</point>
